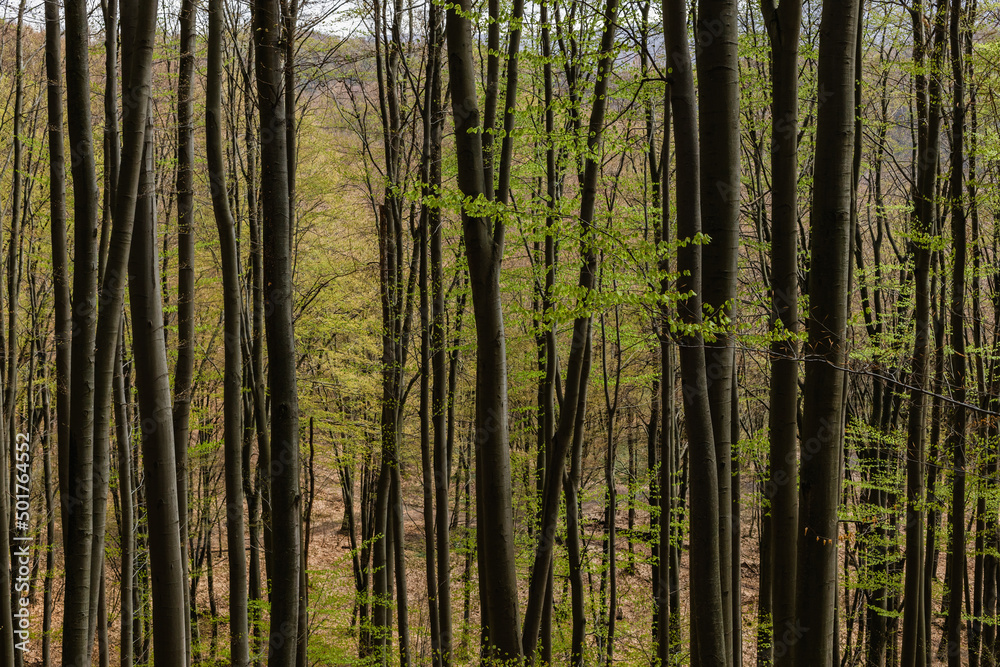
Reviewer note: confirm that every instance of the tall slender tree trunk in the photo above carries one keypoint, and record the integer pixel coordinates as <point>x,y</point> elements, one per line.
<point>152,374</point>
<point>440,393</point>
<point>77,489</point>
<point>183,371</point>
<point>484,243</point>
<point>62,305</point>
<point>571,486</point>
<point>957,567</point>
<point>719,139</point>
<point>829,278</point>
<point>611,400</point>
<point>123,429</point>
<point>429,484</point>
<point>284,470</point>
<point>50,523</point>
<point>138,21</point>
<point>239,635</point>
<point>708,638</point>
<point>781,489</point>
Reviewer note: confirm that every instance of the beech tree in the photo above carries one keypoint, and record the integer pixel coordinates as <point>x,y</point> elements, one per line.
<point>681,202</point>
<point>822,435</point>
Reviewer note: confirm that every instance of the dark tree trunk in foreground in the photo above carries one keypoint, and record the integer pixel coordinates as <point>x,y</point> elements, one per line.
<point>484,243</point>
<point>184,369</point>
<point>284,470</point>
<point>57,221</point>
<point>781,489</point>
<point>139,22</point>
<point>62,306</point>
<point>708,640</point>
<point>829,275</point>
<point>957,568</point>
<point>719,139</point>
<point>152,371</point>
<point>239,636</point>
<point>76,480</point>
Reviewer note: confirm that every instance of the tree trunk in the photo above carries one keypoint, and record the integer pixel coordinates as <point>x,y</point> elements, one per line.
<point>708,640</point>
<point>829,277</point>
<point>62,305</point>
<point>958,571</point>
<point>139,23</point>
<point>484,243</point>
<point>239,647</point>
<point>183,371</point>
<point>429,484</point>
<point>571,484</point>
<point>719,139</point>
<point>284,470</point>
<point>123,429</point>
<point>781,487</point>
<point>77,473</point>
<point>915,641</point>
<point>153,389</point>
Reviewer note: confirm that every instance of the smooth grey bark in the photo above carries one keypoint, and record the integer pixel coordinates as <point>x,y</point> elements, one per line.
<point>239,635</point>
<point>440,402</point>
<point>708,646</point>
<point>280,333</point>
<point>719,143</point>
<point>112,148</point>
<point>915,641</point>
<point>428,482</point>
<point>62,306</point>
<point>77,489</point>
<point>484,243</point>
<point>957,566</point>
<point>783,23</point>
<point>123,429</point>
<point>139,21</point>
<point>829,278</point>
<point>184,185</point>
<point>155,414</point>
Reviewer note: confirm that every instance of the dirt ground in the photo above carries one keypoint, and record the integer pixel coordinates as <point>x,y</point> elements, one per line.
<point>333,640</point>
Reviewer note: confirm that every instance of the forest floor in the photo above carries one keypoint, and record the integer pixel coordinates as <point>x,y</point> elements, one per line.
<point>333,640</point>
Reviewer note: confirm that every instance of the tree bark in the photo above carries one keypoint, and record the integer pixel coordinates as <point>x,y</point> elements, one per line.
<point>239,636</point>
<point>279,328</point>
<point>77,487</point>
<point>57,223</point>
<point>123,429</point>
<point>957,567</point>
<point>183,371</point>
<point>484,243</point>
<point>719,142</point>
<point>781,489</point>
<point>708,643</point>
<point>153,389</point>
<point>829,278</point>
